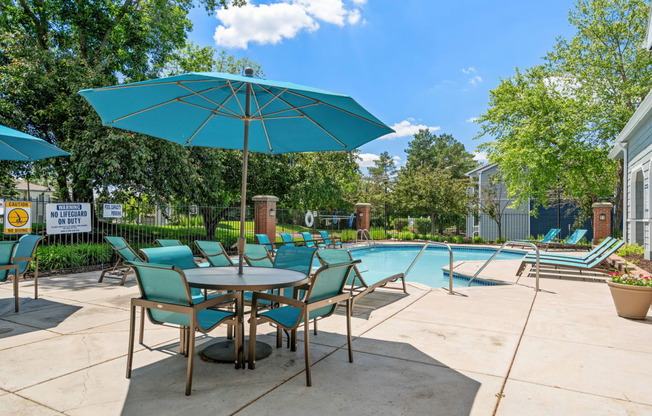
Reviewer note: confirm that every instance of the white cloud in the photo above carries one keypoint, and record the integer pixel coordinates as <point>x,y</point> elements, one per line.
<point>359,2</point>
<point>271,23</point>
<point>475,80</point>
<point>472,120</point>
<point>407,128</point>
<point>367,160</point>
<point>396,158</point>
<point>468,70</point>
<point>480,156</point>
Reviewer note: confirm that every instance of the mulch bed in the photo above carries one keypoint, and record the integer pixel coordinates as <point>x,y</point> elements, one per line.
<point>639,262</point>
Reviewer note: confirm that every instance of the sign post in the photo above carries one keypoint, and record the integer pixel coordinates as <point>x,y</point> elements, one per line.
<point>68,218</point>
<point>18,217</point>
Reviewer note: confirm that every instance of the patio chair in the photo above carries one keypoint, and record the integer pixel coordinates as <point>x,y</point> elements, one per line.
<point>287,239</point>
<point>591,255</point>
<point>356,283</point>
<point>125,253</point>
<point>546,238</point>
<point>24,253</point>
<point>596,263</point>
<point>256,255</point>
<point>214,253</point>
<point>334,242</point>
<point>263,239</point>
<point>6,252</point>
<point>309,242</point>
<point>162,242</point>
<point>166,298</point>
<point>325,292</point>
<point>571,242</point>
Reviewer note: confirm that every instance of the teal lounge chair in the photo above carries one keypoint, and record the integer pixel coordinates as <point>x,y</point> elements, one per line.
<point>334,242</point>
<point>263,239</point>
<point>356,283</point>
<point>125,254</point>
<point>546,238</point>
<point>309,242</point>
<point>326,290</point>
<point>287,239</point>
<point>571,242</point>
<point>162,242</point>
<point>256,255</point>
<point>595,263</point>
<point>591,255</point>
<point>165,296</point>
<point>214,253</point>
<point>6,251</point>
<point>24,253</point>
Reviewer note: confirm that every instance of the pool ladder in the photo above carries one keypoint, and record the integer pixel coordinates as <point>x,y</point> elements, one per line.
<point>508,243</point>
<point>364,234</point>
<point>450,252</point>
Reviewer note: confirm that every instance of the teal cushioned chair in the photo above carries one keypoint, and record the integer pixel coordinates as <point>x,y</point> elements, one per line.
<point>571,242</point>
<point>6,252</point>
<point>334,242</point>
<point>167,299</point>
<point>125,254</point>
<point>256,255</point>
<point>263,239</point>
<point>325,291</point>
<point>309,242</point>
<point>162,242</point>
<point>214,253</point>
<point>26,252</point>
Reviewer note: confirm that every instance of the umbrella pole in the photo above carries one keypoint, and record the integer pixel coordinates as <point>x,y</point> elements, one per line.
<point>242,241</point>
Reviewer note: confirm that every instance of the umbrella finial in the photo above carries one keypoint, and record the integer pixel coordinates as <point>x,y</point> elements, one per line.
<point>249,72</point>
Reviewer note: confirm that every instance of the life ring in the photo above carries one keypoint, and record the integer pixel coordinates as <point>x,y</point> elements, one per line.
<point>335,219</point>
<point>310,219</point>
<point>351,218</point>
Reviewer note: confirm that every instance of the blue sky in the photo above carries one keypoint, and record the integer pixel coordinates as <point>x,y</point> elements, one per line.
<point>410,63</point>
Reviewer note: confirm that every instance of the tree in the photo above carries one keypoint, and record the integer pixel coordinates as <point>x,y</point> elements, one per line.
<point>439,152</point>
<point>431,190</point>
<point>559,119</point>
<point>492,202</point>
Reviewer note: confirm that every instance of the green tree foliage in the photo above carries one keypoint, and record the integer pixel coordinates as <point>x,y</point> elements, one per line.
<point>439,152</point>
<point>491,200</point>
<point>558,121</point>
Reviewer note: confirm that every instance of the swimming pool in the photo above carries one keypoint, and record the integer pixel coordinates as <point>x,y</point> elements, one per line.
<point>385,260</point>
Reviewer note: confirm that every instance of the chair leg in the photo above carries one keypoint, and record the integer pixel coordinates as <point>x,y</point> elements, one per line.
<point>306,340</point>
<point>252,339</point>
<point>142,325</point>
<point>279,337</point>
<point>130,353</point>
<point>36,278</point>
<point>15,283</point>
<point>315,326</point>
<point>293,340</point>
<point>348,329</point>
<point>182,340</point>
<point>191,355</point>
<point>124,277</point>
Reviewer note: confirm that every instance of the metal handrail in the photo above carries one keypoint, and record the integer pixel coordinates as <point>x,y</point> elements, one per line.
<point>511,243</point>
<point>450,251</point>
<point>367,236</point>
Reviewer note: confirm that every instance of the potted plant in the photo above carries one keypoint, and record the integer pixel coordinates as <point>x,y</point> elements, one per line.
<point>632,294</point>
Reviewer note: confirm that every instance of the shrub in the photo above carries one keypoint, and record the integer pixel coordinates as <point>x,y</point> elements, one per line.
<point>630,249</point>
<point>422,225</point>
<point>479,240</point>
<point>348,235</point>
<point>377,233</point>
<point>458,239</point>
<point>406,236</point>
<point>62,256</point>
<point>399,223</point>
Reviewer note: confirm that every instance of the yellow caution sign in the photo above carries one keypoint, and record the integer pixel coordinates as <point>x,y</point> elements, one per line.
<point>18,217</point>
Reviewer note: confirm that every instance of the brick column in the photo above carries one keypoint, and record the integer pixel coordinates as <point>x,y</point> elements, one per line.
<point>265,217</point>
<point>601,220</point>
<point>363,213</point>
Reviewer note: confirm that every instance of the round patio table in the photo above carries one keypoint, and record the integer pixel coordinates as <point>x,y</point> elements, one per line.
<point>251,279</point>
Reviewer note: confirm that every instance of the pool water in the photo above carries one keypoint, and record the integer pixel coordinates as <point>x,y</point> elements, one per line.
<point>386,260</point>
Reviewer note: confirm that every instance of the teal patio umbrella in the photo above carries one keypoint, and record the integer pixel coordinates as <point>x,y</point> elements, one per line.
<point>19,146</point>
<point>228,111</point>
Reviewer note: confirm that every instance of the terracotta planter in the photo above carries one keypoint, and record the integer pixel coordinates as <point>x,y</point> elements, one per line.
<point>631,301</point>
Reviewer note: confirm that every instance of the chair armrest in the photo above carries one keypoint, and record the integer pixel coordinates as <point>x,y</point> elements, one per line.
<point>212,302</point>
<point>23,259</point>
<point>276,298</point>
<point>329,301</point>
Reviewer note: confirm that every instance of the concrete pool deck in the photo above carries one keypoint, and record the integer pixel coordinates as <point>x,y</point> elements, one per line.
<point>504,350</point>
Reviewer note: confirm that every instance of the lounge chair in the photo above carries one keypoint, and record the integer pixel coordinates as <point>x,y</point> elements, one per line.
<point>595,263</point>
<point>165,295</point>
<point>162,242</point>
<point>125,254</point>
<point>24,253</point>
<point>263,239</point>
<point>356,283</point>
<point>591,255</point>
<point>256,255</point>
<point>309,242</point>
<point>214,253</point>
<point>571,242</point>
<point>287,239</point>
<point>334,242</point>
<point>546,238</point>
<point>6,252</point>
<point>326,290</point>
